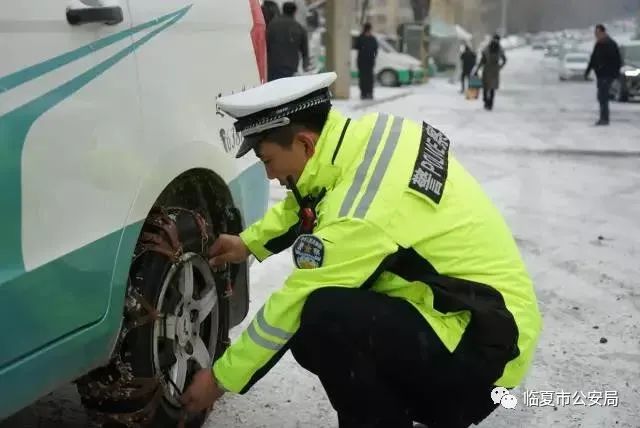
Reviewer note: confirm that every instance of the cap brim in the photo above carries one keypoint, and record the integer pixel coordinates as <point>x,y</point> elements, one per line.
<point>248,144</point>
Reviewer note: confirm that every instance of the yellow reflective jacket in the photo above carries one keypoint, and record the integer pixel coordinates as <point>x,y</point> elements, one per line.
<point>402,217</point>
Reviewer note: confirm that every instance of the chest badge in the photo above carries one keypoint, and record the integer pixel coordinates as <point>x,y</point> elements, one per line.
<point>308,252</point>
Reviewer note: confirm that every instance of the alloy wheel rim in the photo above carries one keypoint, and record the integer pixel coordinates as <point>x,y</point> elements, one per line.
<point>186,331</point>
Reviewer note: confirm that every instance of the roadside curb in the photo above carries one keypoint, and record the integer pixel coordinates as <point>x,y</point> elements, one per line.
<point>364,104</point>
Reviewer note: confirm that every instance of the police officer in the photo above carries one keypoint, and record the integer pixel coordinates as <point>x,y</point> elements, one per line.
<point>408,297</point>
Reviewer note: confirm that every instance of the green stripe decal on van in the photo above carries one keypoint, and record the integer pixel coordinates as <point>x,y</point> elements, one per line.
<point>22,76</point>
<point>15,125</point>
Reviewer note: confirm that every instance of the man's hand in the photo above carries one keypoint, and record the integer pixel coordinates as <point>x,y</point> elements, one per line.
<point>227,249</point>
<point>202,393</point>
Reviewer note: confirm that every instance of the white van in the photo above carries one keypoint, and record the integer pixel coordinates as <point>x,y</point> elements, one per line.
<point>392,68</point>
<point>116,173</point>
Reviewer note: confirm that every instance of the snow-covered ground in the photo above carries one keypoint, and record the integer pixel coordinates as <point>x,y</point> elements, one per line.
<point>571,193</point>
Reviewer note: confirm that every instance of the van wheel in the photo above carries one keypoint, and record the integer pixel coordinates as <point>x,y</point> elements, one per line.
<point>176,322</point>
<point>388,78</point>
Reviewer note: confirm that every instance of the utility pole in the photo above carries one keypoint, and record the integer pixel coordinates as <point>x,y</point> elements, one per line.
<point>338,17</point>
<point>503,21</point>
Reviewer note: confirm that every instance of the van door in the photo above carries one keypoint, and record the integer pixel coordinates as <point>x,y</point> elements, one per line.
<point>68,112</point>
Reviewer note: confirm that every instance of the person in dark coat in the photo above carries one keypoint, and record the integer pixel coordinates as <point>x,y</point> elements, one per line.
<point>606,62</point>
<point>367,47</point>
<point>270,10</point>
<point>286,42</point>
<point>493,59</point>
<point>468,59</point>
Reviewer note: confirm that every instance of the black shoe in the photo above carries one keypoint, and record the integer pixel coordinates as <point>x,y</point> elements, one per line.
<point>602,123</point>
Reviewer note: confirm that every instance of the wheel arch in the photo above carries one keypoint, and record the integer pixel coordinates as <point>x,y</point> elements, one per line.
<point>189,189</point>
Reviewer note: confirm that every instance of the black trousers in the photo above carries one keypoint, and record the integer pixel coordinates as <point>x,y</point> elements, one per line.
<point>488,95</point>
<point>382,366</point>
<point>604,85</point>
<point>365,81</point>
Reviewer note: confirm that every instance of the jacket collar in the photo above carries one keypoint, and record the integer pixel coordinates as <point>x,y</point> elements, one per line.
<point>319,172</point>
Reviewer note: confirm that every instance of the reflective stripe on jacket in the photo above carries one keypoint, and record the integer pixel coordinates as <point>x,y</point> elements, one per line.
<point>402,217</point>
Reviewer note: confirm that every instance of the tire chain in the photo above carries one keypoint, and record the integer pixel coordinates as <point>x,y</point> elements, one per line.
<point>115,382</point>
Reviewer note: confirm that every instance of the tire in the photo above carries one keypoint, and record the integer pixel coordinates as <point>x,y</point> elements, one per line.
<point>190,333</point>
<point>388,78</point>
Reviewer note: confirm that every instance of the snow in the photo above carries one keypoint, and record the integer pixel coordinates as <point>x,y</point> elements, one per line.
<point>571,193</point>
<point>561,184</point>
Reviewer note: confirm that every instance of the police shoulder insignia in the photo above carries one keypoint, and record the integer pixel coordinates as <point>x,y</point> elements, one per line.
<point>308,252</point>
<point>430,169</point>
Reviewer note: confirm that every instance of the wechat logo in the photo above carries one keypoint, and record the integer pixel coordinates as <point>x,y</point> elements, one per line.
<point>501,395</point>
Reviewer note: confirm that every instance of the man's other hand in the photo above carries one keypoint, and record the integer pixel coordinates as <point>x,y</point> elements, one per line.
<point>227,249</point>
<point>202,393</point>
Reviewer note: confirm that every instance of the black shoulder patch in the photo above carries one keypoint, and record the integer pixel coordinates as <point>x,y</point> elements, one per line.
<point>430,169</point>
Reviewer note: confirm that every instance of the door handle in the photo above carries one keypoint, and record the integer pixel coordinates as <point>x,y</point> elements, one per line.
<point>87,11</point>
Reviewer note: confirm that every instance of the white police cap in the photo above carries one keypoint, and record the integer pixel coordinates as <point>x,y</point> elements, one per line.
<point>269,106</point>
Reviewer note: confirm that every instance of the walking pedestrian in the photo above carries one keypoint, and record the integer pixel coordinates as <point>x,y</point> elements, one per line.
<point>606,62</point>
<point>468,60</point>
<point>286,42</point>
<point>367,47</point>
<point>270,10</point>
<point>493,60</point>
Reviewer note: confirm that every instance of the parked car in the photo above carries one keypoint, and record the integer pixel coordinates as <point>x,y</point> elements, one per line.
<point>538,42</point>
<point>573,65</point>
<point>116,173</point>
<point>552,49</point>
<point>628,84</point>
<point>392,68</point>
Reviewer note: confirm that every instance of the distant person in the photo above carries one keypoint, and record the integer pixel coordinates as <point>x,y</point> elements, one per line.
<point>468,60</point>
<point>493,59</point>
<point>606,62</point>
<point>367,47</point>
<point>286,42</point>
<point>270,10</point>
